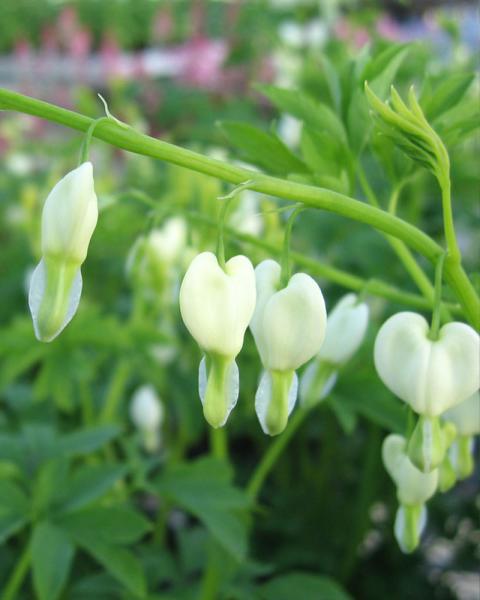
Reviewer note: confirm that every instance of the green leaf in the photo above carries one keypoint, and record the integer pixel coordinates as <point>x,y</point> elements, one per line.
<point>204,489</point>
<point>49,485</point>
<point>304,585</point>
<point>14,507</point>
<point>90,483</point>
<point>52,556</point>
<point>446,95</point>
<point>119,562</point>
<point>111,525</point>
<point>87,440</point>
<point>316,115</point>
<point>379,72</point>
<point>263,149</point>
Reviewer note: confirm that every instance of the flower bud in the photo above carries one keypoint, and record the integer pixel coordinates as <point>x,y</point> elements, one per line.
<point>289,327</point>
<point>216,307</point>
<point>146,412</point>
<point>429,442</point>
<point>69,217</point>
<point>346,327</point>
<point>413,486</point>
<point>430,375</point>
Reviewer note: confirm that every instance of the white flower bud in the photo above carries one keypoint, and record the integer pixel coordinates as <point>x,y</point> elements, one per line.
<point>430,375</point>
<point>146,410</point>
<point>466,415</point>
<point>69,217</point>
<point>217,305</point>
<point>289,327</point>
<point>346,327</point>
<point>168,242</point>
<point>413,486</point>
<point>289,324</point>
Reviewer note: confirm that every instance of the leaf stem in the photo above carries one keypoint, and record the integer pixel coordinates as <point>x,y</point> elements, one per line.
<point>437,303</point>
<point>17,575</point>
<point>321,198</point>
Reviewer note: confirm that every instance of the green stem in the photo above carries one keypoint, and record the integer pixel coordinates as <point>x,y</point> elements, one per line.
<point>450,236</point>
<point>344,278</point>
<point>321,198</point>
<point>115,392</point>
<point>435,326</point>
<point>17,575</point>
<point>286,270</point>
<point>417,274</point>
<point>274,451</point>
<point>218,443</point>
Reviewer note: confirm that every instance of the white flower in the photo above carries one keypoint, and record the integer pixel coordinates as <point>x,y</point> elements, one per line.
<point>168,242</point>
<point>69,217</point>
<point>288,324</point>
<point>346,327</point>
<point>146,412</point>
<point>430,375</point>
<point>413,486</point>
<point>216,307</point>
<point>289,327</point>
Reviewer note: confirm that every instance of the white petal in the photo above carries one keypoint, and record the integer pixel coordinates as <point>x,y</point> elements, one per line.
<point>37,291</point>
<point>346,327</point>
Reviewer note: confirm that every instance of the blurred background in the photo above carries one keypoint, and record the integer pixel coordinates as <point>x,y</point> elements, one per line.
<point>174,70</point>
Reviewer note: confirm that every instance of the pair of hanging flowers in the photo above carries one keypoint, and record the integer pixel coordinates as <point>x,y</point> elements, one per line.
<point>287,321</point>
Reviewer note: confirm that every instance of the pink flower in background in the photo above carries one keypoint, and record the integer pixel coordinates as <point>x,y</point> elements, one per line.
<point>110,55</point>
<point>80,43</point>
<point>389,29</point>
<point>163,25</point>
<point>356,36</point>
<point>49,39</point>
<point>202,60</point>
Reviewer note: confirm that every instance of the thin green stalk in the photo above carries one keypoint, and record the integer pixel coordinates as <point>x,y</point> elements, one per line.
<point>449,228</point>
<point>218,443</point>
<point>115,392</point>
<point>435,326</point>
<point>275,449</point>
<point>417,274</point>
<point>375,287</point>
<point>286,266</point>
<point>18,575</point>
<point>362,501</point>
<point>321,198</point>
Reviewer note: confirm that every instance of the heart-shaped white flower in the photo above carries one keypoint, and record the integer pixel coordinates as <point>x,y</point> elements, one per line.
<point>413,486</point>
<point>430,375</point>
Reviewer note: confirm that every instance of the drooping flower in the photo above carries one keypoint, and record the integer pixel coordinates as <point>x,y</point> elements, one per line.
<point>414,488</point>
<point>216,306</point>
<point>289,327</point>
<point>430,375</point>
<point>346,327</point>
<point>69,218</point>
